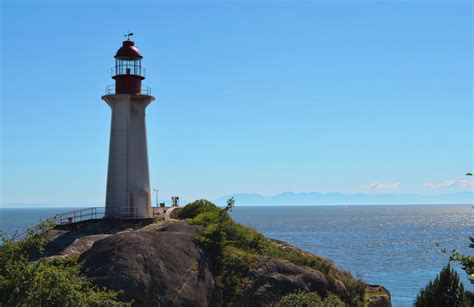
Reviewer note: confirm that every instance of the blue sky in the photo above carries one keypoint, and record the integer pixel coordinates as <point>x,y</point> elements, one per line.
<point>266,97</point>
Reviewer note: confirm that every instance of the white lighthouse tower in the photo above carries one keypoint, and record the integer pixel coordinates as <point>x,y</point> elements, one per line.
<point>128,178</point>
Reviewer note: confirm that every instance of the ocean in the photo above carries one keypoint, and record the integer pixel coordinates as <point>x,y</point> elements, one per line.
<point>393,246</point>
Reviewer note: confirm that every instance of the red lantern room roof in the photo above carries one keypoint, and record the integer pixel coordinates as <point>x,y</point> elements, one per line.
<point>128,51</point>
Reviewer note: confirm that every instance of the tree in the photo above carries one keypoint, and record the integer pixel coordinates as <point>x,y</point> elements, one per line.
<point>445,290</point>
<point>466,261</point>
<point>45,282</point>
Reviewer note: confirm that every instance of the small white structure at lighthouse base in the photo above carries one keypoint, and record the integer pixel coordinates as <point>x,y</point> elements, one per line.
<point>128,178</point>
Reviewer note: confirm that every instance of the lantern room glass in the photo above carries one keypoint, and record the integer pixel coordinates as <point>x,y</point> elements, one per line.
<point>129,67</point>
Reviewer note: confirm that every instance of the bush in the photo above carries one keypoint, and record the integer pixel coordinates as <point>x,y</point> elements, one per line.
<point>445,290</point>
<point>193,209</point>
<point>333,301</point>
<point>356,288</point>
<point>300,299</point>
<point>176,213</point>
<point>309,299</point>
<point>207,218</point>
<point>234,277</point>
<point>212,240</point>
<point>56,282</point>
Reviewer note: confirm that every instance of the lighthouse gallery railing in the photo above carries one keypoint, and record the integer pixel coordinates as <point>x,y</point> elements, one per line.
<point>110,90</point>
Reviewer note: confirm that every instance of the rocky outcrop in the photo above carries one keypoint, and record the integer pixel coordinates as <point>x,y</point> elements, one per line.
<point>159,264</point>
<point>161,267</point>
<point>75,239</point>
<point>275,278</point>
<point>378,296</point>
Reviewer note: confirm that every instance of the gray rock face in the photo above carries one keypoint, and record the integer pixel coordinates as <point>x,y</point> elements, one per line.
<point>276,278</point>
<point>154,268</point>
<point>74,239</point>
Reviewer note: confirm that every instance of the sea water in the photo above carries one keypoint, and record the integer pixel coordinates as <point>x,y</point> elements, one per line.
<point>393,246</point>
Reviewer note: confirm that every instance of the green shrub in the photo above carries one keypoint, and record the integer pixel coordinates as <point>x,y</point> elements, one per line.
<point>242,236</point>
<point>233,278</point>
<point>300,299</point>
<point>212,239</point>
<point>271,249</point>
<point>207,218</point>
<point>175,214</point>
<point>356,288</point>
<point>56,282</point>
<point>445,290</point>
<point>333,300</point>
<point>195,208</point>
<point>309,299</point>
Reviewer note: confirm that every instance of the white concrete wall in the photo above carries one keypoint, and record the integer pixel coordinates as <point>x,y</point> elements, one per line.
<point>128,178</point>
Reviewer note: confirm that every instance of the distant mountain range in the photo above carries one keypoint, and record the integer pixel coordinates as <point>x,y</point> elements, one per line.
<point>315,198</point>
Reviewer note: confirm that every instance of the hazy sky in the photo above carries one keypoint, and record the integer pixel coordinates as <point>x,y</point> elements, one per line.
<point>336,96</point>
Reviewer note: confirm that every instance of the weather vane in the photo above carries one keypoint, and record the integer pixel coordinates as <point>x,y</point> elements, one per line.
<point>128,35</point>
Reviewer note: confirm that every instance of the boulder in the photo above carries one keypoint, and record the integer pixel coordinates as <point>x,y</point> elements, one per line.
<point>76,238</point>
<point>276,278</point>
<point>154,268</point>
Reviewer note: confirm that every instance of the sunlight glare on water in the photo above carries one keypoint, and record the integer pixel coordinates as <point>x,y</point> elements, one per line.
<point>393,246</point>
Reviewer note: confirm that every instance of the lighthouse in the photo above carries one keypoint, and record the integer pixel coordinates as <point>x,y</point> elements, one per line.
<point>128,178</point>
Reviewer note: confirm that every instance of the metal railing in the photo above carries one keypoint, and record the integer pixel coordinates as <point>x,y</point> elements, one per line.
<point>94,213</point>
<point>102,212</point>
<point>79,215</point>
<point>110,90</point>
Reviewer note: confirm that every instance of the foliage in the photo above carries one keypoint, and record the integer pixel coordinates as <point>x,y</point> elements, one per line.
<point>206,218</point>
<point>55,282</point>
<point>175,214</point>
<point>333,300</point>
<point>309,299</point>
<point>232,248</point>
<point>233,277</point>
<point>271,249</point>
<point>357,289</point>
<point>445,290</point>
<point>466,261</point>
<point>212,237</point>
<point>193,209</point>
<point>300,299</point>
